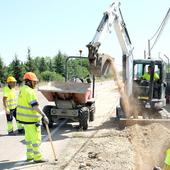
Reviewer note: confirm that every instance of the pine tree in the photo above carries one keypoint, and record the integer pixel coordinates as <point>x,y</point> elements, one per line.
<point>59,61</point>
<point>17,69</point>
<point>30,65</point>
<point>2,71</point>
<point>43,65</point>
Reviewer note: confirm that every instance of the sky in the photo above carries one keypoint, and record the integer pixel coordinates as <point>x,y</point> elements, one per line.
<point>47,26</point>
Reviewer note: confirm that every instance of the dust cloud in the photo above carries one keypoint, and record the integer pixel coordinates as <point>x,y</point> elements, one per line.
<point>128,104</point>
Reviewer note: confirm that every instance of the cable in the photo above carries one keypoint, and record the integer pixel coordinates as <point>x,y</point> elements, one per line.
<point>160,29</point>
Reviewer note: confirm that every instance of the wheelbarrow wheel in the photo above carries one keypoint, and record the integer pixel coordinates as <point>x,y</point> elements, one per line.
<point>92,112</point>
<point>83,118</point>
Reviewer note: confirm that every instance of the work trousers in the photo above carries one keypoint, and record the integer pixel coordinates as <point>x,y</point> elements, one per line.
<point>167,157</point>
<point>33,141</point>
<point>10,119</point>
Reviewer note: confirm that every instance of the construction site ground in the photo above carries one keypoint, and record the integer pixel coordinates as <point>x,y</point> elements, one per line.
<point>103,145</point>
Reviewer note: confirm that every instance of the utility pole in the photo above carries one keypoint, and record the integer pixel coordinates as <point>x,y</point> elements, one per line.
<point>80,51</point>
<point>149,49</point>
<point>168,60</point>
<point>144,53</point>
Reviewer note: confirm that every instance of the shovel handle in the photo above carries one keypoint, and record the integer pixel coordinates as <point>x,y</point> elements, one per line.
<point>50,138</point>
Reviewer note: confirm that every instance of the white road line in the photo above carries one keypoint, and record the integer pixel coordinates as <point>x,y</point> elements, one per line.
<point>55,130</point>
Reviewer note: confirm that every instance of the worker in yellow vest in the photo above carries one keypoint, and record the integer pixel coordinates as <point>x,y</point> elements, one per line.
<point>147,75</point>
<point>10,104</point>
<point>30,114</point>
<point>167,160</point>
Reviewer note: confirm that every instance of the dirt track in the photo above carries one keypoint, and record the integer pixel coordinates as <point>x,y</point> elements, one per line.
<point>104,146</point>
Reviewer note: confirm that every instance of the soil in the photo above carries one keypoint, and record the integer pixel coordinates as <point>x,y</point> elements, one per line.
<point>105,147</point>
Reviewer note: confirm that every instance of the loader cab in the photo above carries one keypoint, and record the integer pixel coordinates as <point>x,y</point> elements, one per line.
<point>149,86</point>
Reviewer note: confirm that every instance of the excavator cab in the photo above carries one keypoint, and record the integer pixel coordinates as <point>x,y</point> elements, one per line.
<point>149,91</point>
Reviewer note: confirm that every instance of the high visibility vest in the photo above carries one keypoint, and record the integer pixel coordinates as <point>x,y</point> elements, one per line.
<point>10,94</point>
<point>147,76</point>
<point>167,158</point>
<point>25,111</point>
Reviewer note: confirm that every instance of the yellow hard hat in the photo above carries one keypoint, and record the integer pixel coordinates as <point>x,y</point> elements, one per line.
<point>11,79</point>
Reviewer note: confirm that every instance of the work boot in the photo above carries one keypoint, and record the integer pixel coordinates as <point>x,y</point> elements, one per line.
<point>30,159</point>
<point>41,161</point>
<point>156,168</point>
<point>11,133</point>
<point>21,131</point>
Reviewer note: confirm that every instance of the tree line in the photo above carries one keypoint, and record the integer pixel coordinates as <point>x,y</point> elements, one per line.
<point>46,68</point>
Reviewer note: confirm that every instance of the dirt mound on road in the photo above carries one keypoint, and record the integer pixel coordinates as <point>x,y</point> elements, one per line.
<point>134,148</point>
<point>150,143</point>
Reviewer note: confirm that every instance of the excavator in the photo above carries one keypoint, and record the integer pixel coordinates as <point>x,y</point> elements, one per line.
<point>148,95</point>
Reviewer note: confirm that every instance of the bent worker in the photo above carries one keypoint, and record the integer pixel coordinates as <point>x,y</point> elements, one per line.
<point>167,160</point>
<point>30,114</point>
<point>10,104</point>
<point>147,75</point>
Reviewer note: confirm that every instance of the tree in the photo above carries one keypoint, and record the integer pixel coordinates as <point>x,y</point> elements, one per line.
<point>17,69</point>
<point>51,76</point>
<point>43,65</point>
<point>59,61</point>
<point>77,68</point>
<point>30,65</point>
<point>50,65</point>
<point>2,71</point>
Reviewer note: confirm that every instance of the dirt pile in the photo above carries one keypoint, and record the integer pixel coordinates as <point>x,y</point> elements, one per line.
<point>134,148</point>
<point>150,143</point>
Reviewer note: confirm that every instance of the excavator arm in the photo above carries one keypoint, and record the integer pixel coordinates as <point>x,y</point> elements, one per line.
<point>100,63</point>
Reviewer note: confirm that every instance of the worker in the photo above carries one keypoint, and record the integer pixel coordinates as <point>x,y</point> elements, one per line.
<point>146,75</point>
<point>167,160</point>
<point>10,104</point>
<point>30,114</point>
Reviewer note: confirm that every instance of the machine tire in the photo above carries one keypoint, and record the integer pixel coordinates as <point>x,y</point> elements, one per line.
<point>119,113</point>
<point>47,110</point>
<point>92,112</point>
<point>83,118</point>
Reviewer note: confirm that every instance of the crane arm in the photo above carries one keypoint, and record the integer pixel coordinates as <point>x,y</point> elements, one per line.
<point>112,19</point>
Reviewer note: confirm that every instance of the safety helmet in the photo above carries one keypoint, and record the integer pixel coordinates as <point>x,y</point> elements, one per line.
<point>11,79</point>
<point>30,76</point>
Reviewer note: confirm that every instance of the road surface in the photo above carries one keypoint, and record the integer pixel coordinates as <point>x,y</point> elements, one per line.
<point>12,150</point>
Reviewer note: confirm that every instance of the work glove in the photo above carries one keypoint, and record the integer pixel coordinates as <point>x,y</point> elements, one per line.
<point>7,113</point>
<point>45,120</point>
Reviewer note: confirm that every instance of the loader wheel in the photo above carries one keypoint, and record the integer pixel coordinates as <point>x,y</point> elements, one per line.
<point>83,118</point>
<point>119,113</point>
<point>47,110</point>
<point>92,111</point>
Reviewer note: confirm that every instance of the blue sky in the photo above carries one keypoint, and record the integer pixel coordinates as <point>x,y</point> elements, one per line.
<point>49,26</point>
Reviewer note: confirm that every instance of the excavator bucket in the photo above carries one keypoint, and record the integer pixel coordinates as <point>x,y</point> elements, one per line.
<point>99,64</point>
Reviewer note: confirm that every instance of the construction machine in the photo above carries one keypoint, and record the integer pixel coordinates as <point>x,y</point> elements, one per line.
<point>149,95</point>
<point>73,99</point>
